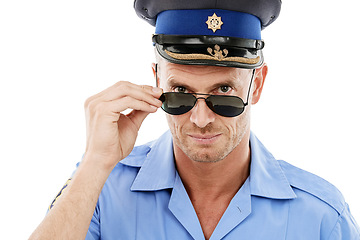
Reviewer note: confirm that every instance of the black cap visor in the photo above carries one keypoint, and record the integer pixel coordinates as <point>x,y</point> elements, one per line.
<point>209,50</point>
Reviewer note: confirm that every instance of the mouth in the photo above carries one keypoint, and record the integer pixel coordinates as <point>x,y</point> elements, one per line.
<point>204,139</point>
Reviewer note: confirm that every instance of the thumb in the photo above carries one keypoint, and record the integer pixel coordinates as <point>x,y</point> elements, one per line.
<point>137,117</point>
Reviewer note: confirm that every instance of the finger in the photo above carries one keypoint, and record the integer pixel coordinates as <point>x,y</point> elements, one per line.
<point>122,104</point>
<point>100,94</point>
<point>107,92</point>
<point>122,89</point>
<point>137,117</point>
<point>142,93</point>
<point>155,91</point>
<point>137,100</point>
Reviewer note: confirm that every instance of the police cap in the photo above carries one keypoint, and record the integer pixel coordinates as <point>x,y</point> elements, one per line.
<point>210,32</point>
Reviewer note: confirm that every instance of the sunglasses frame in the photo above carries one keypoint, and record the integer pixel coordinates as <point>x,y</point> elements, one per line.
<point>208,103</point>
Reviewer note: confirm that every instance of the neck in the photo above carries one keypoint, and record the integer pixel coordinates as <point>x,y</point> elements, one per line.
<point>212,180</point>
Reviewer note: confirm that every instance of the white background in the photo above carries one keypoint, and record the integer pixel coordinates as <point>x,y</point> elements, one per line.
<point>55,54</point>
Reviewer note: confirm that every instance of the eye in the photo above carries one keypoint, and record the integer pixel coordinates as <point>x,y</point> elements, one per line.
<point>180,89</point>
<point>224,89</point>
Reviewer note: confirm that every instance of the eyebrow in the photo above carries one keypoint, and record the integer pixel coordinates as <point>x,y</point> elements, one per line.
<point>232,83</point>
<point>174,83</point>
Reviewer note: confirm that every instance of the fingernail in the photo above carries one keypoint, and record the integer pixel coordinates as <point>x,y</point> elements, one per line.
<point>157,90</point>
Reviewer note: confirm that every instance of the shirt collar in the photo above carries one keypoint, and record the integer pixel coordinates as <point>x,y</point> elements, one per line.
<point>158,170</point>
<point>267,178</point>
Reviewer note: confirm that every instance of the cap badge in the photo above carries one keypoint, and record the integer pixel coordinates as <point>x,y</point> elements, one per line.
<point>218,54</point>
<point>214,22</point>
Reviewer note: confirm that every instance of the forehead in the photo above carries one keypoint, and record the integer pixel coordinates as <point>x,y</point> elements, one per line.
<point>200,75</point>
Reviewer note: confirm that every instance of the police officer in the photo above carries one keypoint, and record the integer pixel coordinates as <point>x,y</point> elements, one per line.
<point>209,177</point>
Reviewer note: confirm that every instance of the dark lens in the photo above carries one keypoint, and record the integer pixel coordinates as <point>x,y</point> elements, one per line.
<point>226,106</point>
<point>177,103</point>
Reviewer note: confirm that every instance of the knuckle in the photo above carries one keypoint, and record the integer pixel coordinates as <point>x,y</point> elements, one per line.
<point>87,102</point>
<point>146,88</point>
<point>91,107</point>
<point>123,90</point>
<point>122,83</point>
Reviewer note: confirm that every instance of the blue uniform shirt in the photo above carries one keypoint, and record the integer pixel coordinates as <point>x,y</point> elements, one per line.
<point>144,198</point>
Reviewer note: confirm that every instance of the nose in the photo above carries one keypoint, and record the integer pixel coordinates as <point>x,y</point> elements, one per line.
<point>201,114</point>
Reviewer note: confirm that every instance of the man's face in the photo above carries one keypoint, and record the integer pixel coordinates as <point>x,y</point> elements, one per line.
<point>201,134</point>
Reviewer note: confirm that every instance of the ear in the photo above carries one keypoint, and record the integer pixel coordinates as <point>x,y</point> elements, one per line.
<point>260,75</point>
<point>155,67</point>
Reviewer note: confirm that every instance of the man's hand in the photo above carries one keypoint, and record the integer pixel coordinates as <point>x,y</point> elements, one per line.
<point>111,135</point>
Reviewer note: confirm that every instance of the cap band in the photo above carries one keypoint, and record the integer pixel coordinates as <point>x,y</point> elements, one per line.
<point>194,22</point>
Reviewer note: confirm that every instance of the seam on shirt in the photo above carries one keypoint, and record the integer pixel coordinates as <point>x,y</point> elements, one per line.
<point>338,211</point>
<point>290,171</point>
<point>288,219</point>
<point>337,222</point>
<point>137,217</point>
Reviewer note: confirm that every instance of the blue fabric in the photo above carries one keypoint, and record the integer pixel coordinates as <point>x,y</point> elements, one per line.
<point>144,198</point>
<point>193,22</point>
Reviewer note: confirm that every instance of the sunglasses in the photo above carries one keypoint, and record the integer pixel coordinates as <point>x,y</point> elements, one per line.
<point>176,103</point>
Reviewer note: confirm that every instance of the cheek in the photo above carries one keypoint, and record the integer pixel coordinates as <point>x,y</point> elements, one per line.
<point>170,122</point>
<point>175,124</point>
<point>232,127</point>
<point>237,126</point>
<point>243,123</point>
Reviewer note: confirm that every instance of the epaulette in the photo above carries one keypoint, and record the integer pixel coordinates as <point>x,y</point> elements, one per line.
<point>314,185</point>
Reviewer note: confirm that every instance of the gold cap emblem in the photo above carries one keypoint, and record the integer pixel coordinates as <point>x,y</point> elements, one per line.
<point>214,22</point>
<point>217,53</point>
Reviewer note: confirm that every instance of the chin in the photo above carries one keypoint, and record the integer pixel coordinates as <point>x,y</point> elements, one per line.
<point>206,155</point>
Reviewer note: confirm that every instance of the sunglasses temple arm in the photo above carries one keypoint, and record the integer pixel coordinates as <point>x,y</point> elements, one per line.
<point>156,74</point>
<point>252,78</point>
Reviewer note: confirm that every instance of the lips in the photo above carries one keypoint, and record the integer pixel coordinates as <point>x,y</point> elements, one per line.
<point>204,139</point>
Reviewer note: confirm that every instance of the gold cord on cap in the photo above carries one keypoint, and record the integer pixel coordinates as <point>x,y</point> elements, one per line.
<point>215,54</point>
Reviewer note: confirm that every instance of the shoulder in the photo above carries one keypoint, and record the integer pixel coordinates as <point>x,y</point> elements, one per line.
<point>320,201</point>
<point>314,186</point>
